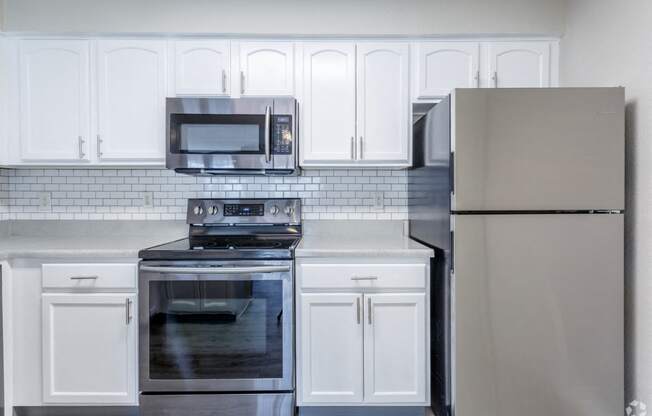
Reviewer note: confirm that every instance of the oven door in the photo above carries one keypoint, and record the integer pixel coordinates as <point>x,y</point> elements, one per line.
<point>216,326</point>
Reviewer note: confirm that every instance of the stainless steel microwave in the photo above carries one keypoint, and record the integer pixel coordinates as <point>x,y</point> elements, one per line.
<point>222,136</point>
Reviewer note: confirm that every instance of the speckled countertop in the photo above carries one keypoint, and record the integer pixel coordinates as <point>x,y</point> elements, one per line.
<point>358,239</point>
<point>124,239</point>
<point>118,239</point>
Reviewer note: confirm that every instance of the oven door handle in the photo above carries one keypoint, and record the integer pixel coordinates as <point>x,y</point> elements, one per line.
<point>216,270</point>
<point>268,134</point>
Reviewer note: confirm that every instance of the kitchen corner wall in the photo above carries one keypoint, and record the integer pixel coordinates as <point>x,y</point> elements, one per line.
<point>118,194</point>
<point>613,39</point>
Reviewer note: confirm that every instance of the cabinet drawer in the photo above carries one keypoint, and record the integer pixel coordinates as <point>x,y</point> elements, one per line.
<point>90,276</point>
<point>352,276</point>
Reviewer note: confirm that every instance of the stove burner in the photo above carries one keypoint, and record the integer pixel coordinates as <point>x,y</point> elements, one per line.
<point>235,245</point>
<point>247,243</point>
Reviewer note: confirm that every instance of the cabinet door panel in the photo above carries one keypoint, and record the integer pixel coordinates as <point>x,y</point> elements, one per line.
<point>444,66</point>
<point>54,100</point>
<point>329,103</point>
<point>330,350</point>
<point>383,102</point>
<point>395,348</point>
<point>89,349</point>
<point>201,67</point>
<point>267,68</point>
<point>131,94</point>
<point>519,64</point>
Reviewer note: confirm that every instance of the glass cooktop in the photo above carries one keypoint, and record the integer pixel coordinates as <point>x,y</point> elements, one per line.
<point>212,247</point>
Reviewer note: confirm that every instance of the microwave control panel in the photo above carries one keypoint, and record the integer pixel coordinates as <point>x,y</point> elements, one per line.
<point>282,135</point>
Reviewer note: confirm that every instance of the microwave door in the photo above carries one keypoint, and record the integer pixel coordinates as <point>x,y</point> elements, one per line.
<point>239,136</point>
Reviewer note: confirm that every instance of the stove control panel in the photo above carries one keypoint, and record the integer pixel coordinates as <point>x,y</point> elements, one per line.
<point>243,211</point>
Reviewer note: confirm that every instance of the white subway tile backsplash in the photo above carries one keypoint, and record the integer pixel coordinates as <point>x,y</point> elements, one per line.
<point>116,194</point>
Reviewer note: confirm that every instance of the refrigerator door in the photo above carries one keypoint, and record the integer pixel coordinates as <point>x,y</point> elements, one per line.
<point>538,315</point>
<point>538,149</point>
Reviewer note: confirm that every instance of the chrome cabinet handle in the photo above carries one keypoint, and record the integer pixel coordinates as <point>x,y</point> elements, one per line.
<point>361,156</point>
<point>215,270</point>
<point>242,82</point>
<point>369,309</point>
<point>224,81</point>
<point>352,148</point>
<point>84,277</point>
<point>477,79</point>
<point>364,277</point>
<point>81,147</point>
<point>99,146</point>
<point>495,79</point>
<point>128,310</point>
<point>357,308</point>
<point>268,134</point>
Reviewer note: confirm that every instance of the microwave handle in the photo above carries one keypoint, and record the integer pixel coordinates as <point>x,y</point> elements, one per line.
<point>268,134</point>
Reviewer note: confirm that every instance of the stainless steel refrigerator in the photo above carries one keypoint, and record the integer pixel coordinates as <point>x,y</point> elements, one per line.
<point>521,193</point>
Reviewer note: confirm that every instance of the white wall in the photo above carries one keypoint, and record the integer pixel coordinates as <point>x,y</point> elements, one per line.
<point>403,17</point>
<point>609,43</point>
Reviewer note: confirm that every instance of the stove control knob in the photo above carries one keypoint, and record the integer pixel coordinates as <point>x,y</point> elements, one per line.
<point>289,211</point>
<point>198,210</point>
<point>214,210</point>
<point>274,210</point>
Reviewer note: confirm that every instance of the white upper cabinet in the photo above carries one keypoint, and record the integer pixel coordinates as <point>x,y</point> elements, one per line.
<point>440,67</point>
<point>383,101</point>
<point>202,67</point>
<point>330,358</point>
<point>54,90</point>
<point>355,105</point>
<point>131,100</point>
<point>395,348</point>
<point>266,68</point>
<point>89,348</point>
<point>519,64</point>
<point>328,134</point>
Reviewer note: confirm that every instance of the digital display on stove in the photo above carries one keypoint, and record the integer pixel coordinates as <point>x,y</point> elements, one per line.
<point>244,210</point>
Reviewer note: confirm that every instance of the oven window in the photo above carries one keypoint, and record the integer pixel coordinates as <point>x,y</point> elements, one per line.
<point>216,329</point>
<point>217,134</point>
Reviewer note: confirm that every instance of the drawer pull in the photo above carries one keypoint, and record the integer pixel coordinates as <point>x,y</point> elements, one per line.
<point>84,277</point>
<point>364,277</point>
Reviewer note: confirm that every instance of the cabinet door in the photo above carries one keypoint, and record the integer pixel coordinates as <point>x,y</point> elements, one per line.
<point>383,102</point>
<point>329,104</point>
<point>395,348</point>
<point>89,348</point>
<point>54,100</point>
<point>131,94</point>
<point>266,68</point>
<point>519,64</point>
<point>330,350</point>
<point>201,67</point>
<point>443,66</point>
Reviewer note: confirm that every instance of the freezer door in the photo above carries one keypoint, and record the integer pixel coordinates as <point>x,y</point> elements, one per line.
<point>538,315</point>
<point>538,149</point>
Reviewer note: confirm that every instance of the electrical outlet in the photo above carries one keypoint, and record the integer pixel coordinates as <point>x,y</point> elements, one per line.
<point>44,201</point>
<point>379,200</point>
<point>148,200</point>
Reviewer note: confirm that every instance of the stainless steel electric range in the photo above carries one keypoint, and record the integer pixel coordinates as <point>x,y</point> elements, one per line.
<point>217,312</point>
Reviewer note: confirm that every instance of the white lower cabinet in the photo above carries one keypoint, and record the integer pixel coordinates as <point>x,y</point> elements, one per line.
<point>395,348</point>
<point>331,341</point>
<point>365,340</point>
<point>73,332</point>
<point>89,348</point>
